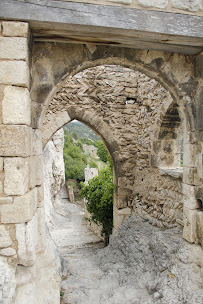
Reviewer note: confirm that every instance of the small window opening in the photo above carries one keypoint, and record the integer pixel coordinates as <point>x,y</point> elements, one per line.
<point>130,100</point>
<point>200,205</point>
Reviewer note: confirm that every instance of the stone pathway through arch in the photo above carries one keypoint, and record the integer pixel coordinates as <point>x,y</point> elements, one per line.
<point>142,265</point>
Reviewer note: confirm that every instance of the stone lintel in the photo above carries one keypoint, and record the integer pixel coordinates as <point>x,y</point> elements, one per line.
<point>101,24</point>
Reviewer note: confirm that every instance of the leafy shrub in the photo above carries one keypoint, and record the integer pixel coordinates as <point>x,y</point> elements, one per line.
<point>99,196</point>
<point>74,159</point>
<point>86,141</point>
<point>93,164</point>
<point>101,152</point>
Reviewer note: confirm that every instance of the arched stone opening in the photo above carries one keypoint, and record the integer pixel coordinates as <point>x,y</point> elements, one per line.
<point>54,63</point>
<point>127,121</point>
<point>20,163</point>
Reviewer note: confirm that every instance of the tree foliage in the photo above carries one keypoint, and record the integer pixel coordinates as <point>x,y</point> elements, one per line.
<point>99,196</point>
<point>101,152</point>
<point>74,159</point>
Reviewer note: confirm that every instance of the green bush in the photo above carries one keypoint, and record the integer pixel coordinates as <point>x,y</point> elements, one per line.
<point>99,196</point>
<point>86,141</point>
<point>74,159</point>
<point>93,164</point>
<point>101,151</point>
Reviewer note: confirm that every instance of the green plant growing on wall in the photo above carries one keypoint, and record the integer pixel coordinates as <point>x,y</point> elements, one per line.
<point>99,196</point>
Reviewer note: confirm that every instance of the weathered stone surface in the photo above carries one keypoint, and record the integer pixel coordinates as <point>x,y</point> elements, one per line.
<point>174,172</point>
<point>153,3</point>
<point>19,136</point>
<point>13,48</point>
<point>19,76</point>
<point>193,6</point>
<point>127,128</point>
<point>200,226</point>
<point>6,200</point>
<point>40,196</point>
<point>7,252</point>
<point>33,173</point>
<point>8,281</point>
<point>22,210</point>
<point>190,222</point>
<point>1,163</point>
<point>36,171</point>
<point>142,264</point>
<point>15,29</point>
<point>41,230</point>
<point>31,289</point>
<point>189,199</point>
<point>54,175</point>
<point>5,239</point>
<point>16,106</point>
<point>122,1</point>
<point>26,245</point>
<point>120,216</point>
<point>16,180</point>
<point>39,169</point>
<point>37,142</point>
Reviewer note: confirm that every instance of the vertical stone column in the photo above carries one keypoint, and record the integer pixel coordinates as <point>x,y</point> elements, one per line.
<point>21,194</point>
<point>198,176</point>
<point>193,167</point>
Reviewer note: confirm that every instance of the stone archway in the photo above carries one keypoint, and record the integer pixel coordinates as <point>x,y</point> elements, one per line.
<point>117,111</point>
<point>22,219</point>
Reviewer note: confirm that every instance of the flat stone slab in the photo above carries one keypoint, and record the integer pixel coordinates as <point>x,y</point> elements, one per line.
<point>107,25</point>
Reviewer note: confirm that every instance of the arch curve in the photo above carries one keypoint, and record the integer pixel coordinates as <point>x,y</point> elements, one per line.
<point>60,62</point>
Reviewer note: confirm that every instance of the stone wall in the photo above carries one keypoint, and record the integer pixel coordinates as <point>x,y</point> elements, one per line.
<point>178,6</point>
<point>25,248</point>
<point>129,103</point>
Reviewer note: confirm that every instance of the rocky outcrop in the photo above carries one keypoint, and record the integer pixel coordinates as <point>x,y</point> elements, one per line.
<point>142,265</point>
<point>54,177</point>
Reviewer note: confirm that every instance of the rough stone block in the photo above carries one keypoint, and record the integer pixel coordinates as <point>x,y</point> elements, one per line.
<point>22,210</point>
<point>1,163</point>
<point>25,235</point>
<point>33,172</point>
<point>122,1</point>
<point>199,117</point>
<point>125,211</point>
<point>16,175</point>
<point>154,3</point>
<point>188,175</point>
<point>37,142</point>
<point>189,5</point>
<point>40,196</point>
<point>1,187</point>
<point>190,222</point>
<point>7,252</point>
<point>39,169</point>
<point>120,216</point>
<point>15,140</point>
<point>41,243</point>
<point>15,29</point>
<point>6,200</point>
<point>200,227</point>
<point>121,202</point>
<point>14,73</point>
<point>189,199</point>
<point>32,237</point>
<point>13,48</point>
<point>5,239</point>
<point>188,156</point>
<point>16,106</point>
